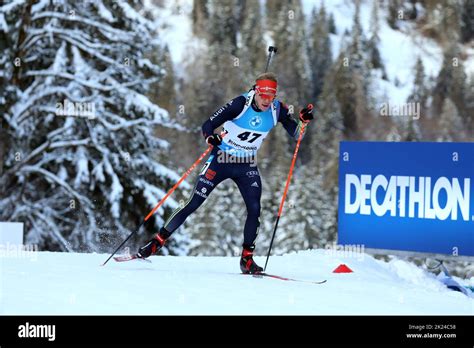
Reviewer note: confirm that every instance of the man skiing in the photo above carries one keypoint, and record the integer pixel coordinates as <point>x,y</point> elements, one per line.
<point>247,120</point>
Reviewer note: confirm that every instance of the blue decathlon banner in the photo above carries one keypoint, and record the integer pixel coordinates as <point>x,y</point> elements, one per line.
<point>407,196</point>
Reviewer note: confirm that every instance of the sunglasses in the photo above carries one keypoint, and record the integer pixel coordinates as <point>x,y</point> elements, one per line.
<point>265,95</point>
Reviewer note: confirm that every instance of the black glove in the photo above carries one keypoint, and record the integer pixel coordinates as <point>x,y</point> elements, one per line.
<point>214,140</point>
<point>306,114</point>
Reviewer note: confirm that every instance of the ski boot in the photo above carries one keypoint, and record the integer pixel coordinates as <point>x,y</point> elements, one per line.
<point>247,264</point>
<point>154,245</point>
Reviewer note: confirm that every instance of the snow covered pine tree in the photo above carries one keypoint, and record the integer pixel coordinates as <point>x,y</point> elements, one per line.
<point>81,163</point>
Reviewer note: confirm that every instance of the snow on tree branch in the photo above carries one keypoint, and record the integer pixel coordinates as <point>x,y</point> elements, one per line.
<point>83,163</point>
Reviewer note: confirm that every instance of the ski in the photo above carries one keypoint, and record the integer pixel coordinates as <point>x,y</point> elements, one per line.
<point>130,257</point>
<point>261,275</point>
<point>123,258</point>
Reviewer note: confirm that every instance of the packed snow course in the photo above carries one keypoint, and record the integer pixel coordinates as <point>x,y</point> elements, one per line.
<point>54,283</point>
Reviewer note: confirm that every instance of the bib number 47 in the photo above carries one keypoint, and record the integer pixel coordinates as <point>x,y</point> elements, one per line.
<point>246,135</point>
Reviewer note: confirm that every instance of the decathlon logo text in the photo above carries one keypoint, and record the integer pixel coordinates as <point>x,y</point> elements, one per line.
<point>408,196</point>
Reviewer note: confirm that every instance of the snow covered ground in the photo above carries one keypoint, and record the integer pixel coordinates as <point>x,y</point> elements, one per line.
<point>45,283</point>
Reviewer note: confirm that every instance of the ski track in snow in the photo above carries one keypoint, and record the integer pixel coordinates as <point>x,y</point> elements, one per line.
<point>66,283</point>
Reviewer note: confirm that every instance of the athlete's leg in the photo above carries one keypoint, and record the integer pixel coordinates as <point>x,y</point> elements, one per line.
<point>210,176</point>
<point>250,187</point>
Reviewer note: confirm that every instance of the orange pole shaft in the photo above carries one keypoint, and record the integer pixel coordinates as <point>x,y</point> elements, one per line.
<point>295,154</point>
<point>162,200</point>
<point>185,175</point>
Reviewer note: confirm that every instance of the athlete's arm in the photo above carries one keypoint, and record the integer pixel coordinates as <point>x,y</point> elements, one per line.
<point>291,125</point>
<point>226,113</point>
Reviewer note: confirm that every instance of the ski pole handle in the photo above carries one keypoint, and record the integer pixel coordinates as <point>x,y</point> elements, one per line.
<point>271,50</point>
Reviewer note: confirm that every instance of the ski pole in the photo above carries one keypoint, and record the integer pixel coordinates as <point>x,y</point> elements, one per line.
<point>186,174</point>
<point>271,49</point>
<point>286,187</point>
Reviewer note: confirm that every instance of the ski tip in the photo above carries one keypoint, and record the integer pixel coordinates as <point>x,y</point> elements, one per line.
<point>129,258</point>
<point>123,258</point>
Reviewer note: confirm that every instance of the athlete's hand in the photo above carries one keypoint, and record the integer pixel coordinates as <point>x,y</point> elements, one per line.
<point>214,140</point>
<point>306,114</point>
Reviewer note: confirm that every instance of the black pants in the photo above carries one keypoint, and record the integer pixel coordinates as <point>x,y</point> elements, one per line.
<point>217,169</point>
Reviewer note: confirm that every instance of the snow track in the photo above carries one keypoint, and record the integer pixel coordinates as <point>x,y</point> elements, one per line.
<point>66,283</point>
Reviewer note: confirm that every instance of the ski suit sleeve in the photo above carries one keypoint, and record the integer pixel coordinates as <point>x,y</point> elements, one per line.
<point>226,113</point>
<point>291,125</point>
